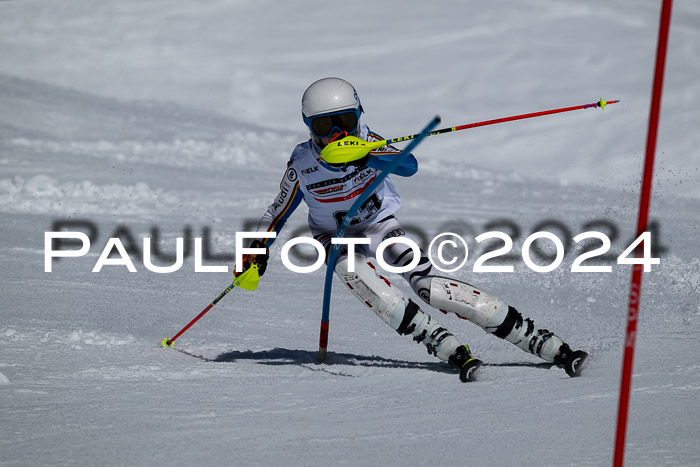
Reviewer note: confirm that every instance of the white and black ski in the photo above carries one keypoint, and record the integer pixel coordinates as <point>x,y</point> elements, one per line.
<point>574,363</point>
<point>469,370</point>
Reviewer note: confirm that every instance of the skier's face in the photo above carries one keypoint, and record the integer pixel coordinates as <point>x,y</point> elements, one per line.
<point>328,127</point>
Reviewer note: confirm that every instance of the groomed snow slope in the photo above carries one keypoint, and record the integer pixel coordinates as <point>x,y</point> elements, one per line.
<point>83,379</point>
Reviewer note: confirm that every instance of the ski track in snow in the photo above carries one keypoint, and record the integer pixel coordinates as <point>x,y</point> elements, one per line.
<point>83,377</point>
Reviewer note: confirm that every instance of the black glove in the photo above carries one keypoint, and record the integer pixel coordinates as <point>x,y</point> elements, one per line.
<point>259,259</point>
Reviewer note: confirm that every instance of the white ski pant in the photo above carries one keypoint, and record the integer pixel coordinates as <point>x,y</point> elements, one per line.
<point>443,293</point>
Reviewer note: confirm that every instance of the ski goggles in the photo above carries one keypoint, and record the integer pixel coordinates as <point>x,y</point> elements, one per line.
<point>322,126</point>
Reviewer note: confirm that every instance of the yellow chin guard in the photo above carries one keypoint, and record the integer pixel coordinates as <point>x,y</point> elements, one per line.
<point>349,149</point>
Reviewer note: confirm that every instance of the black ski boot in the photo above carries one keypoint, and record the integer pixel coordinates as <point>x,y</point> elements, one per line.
<point>570,360</point>
<point>468,366</point>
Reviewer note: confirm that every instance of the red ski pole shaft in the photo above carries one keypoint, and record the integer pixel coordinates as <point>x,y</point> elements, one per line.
<point>247,279</point>
<point>601,103</point>
<point>169,342</point>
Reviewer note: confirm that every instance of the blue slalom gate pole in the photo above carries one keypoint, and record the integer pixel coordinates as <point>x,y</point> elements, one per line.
<point>323,340</point>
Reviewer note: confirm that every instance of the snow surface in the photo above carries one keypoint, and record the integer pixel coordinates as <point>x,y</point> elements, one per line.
<point>171,118</point>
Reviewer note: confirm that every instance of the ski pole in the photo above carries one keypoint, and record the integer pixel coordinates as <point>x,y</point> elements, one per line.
<point>248,280</point>
<point>351,148</point>
<point>601,103</point>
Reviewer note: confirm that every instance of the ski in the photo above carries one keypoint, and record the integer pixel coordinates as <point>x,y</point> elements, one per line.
<point>469,370</point>
<point>574,363</point>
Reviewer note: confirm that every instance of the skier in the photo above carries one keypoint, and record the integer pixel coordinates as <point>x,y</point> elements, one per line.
<point>331,110</point>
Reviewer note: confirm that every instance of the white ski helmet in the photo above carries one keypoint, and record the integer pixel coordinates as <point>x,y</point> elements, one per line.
<point>331,104</point>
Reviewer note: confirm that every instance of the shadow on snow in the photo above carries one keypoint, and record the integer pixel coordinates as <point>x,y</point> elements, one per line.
<point>281,356</point>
